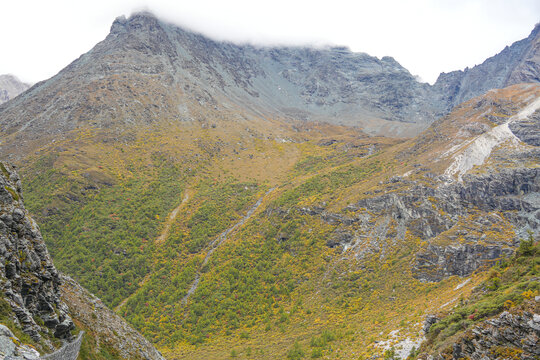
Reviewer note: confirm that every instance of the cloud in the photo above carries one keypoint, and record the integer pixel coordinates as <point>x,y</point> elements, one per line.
<point>426,37</point>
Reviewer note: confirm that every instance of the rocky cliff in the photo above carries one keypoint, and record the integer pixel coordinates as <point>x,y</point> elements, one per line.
<point>28,278</point>
<point>511,334</point>
<point>10,87</point>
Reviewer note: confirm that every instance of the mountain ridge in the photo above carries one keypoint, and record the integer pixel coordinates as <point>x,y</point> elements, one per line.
<point>179,67</point>
<point>517,63</point>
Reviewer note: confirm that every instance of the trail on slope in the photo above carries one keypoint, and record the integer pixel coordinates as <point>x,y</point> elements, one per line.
<point>216,243</point>
<point>172,216</point>
<point>160,239</point>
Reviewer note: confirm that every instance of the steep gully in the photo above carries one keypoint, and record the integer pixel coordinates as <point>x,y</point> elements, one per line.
<point>172,216</point>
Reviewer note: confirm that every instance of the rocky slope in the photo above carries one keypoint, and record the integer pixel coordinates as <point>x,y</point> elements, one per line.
<point>30,281</point>
<point>40,301</point>
<point>170,71</point>
<point>138,155</point>
<point>516,64</point>
<point>500,320</point>
<point>508,334</point>
<point>10,87</point>
<point>106,327</point>
<point>462,221</point>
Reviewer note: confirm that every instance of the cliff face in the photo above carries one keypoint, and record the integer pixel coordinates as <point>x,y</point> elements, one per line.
<point>28,278</point>
<point>511,333</point>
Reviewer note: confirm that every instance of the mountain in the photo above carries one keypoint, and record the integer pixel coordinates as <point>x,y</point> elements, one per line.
<point>180,66</point>
<point>170,69</point>
<point>516,64</point>
<point>41,305</point>
<point>237,201</point>
<point>10,87</point>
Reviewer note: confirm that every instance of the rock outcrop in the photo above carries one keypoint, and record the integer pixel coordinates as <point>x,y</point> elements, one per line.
<point>439,262</point>
<point>28,279</point>
<point>437,212</point>
<point>507,336</point>
<point>11,348</point>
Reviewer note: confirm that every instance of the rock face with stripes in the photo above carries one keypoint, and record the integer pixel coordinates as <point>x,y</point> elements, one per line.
<point>28,279</point>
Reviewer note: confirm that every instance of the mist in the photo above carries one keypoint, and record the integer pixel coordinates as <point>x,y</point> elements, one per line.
<point>426,37</point>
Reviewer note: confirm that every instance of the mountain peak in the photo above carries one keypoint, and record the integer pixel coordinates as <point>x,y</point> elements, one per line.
<point>136,21</point>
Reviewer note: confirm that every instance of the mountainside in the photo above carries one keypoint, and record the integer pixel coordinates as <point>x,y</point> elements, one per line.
<point>10,87</point>
<point>518,63</point>
<point>33,305</point>
<point>218,199</point>
<point>170,70</point>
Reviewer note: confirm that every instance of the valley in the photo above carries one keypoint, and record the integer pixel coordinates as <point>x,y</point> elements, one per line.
<point>223,219</point>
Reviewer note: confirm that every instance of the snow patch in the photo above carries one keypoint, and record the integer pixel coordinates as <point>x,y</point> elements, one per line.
<point>407,173</point>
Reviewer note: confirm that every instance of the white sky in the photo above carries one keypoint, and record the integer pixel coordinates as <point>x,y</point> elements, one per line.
<point>40,37</point>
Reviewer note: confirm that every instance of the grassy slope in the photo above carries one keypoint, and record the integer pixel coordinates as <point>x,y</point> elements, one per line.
<point>274,288</point>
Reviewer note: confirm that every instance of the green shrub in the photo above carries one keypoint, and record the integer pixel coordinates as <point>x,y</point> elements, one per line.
<point>316,353</point>
<point>296,352</point>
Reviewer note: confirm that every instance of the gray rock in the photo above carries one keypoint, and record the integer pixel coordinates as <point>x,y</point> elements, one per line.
<point>528,130</point>
<point>439,262</point>
<point>28,277</point>
<point>430,321</point>
<point>505,330</point>
<point>516,64</point>
<point>10,348</point>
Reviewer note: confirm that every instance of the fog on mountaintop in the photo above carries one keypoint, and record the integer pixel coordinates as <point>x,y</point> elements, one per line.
<point>426,38</point>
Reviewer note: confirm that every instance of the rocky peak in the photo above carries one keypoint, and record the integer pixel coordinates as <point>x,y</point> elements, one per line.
<point>518,63</point>
<point>141,21</point>
<point>148,69</point>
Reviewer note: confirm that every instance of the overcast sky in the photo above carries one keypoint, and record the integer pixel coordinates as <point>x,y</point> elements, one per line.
<point>40,37</point>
